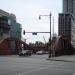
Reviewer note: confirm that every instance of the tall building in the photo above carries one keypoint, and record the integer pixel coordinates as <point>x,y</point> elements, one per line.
<point>69,6</point>
<point>66,21</point>
<point>64,25</point>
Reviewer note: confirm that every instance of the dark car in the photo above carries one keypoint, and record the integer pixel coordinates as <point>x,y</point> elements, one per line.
<point>25,53</point>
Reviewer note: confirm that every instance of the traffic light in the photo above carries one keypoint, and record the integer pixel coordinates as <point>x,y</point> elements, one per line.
<point>39,17</point>
<point>23,32</point>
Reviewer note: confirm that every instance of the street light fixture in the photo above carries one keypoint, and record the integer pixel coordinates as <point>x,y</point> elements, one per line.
<point>50,33</point>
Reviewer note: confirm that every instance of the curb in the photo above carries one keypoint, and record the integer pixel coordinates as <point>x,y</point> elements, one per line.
<point>60,60</point>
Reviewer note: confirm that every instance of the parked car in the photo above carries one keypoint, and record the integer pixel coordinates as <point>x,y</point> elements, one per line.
<point>25,53</point>
<point>46,52</point>
<point>40,53</point>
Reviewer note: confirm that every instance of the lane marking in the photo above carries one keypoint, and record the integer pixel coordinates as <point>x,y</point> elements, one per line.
<point>42,68</point>
<point>33,70</point>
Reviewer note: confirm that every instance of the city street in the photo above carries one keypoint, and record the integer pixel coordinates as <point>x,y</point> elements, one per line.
<point>34,65</point>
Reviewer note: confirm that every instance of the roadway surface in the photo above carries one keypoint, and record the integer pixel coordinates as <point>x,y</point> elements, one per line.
<point>34,65</point>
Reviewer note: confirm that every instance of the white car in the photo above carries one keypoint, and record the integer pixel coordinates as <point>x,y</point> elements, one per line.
<point>39,52</point>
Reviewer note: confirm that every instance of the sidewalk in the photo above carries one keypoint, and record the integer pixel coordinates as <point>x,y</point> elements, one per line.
<point>66,58</point>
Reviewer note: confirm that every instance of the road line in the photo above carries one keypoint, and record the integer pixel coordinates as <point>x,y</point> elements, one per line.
<point>42,69</point>
<point>33,70</point>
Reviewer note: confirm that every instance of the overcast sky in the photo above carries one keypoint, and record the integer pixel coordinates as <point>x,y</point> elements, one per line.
<point>27,13</point>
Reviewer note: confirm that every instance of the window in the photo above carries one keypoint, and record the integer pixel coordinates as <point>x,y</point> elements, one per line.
<point>9,21</point>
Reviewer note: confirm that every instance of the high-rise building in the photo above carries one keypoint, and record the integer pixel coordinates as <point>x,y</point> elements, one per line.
<point>64,25</point>
<point>66,20</point>
<point>69,6</point>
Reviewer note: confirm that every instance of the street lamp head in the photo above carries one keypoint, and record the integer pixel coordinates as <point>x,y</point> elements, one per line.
<point>39,17</point>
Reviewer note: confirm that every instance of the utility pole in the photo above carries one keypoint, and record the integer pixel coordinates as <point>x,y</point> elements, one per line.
<point>53,26</point>
<point>49,45</point>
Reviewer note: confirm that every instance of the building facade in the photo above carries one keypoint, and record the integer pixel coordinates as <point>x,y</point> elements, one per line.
<point>8,25</point>
<point>5,24</point>
<point>69,6</point>
<point>64,25</point>
<point>68,24</point>
<point>15,30</point>
<point>9,28</point>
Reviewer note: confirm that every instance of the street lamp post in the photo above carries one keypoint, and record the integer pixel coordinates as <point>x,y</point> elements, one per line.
<point>49,46</point>
<point>50,39</point>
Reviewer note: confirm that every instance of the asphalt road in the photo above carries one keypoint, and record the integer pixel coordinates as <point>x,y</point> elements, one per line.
<point>34,65</point>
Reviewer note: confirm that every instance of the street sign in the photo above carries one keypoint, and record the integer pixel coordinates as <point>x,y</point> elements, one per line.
<point>34,33</point>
